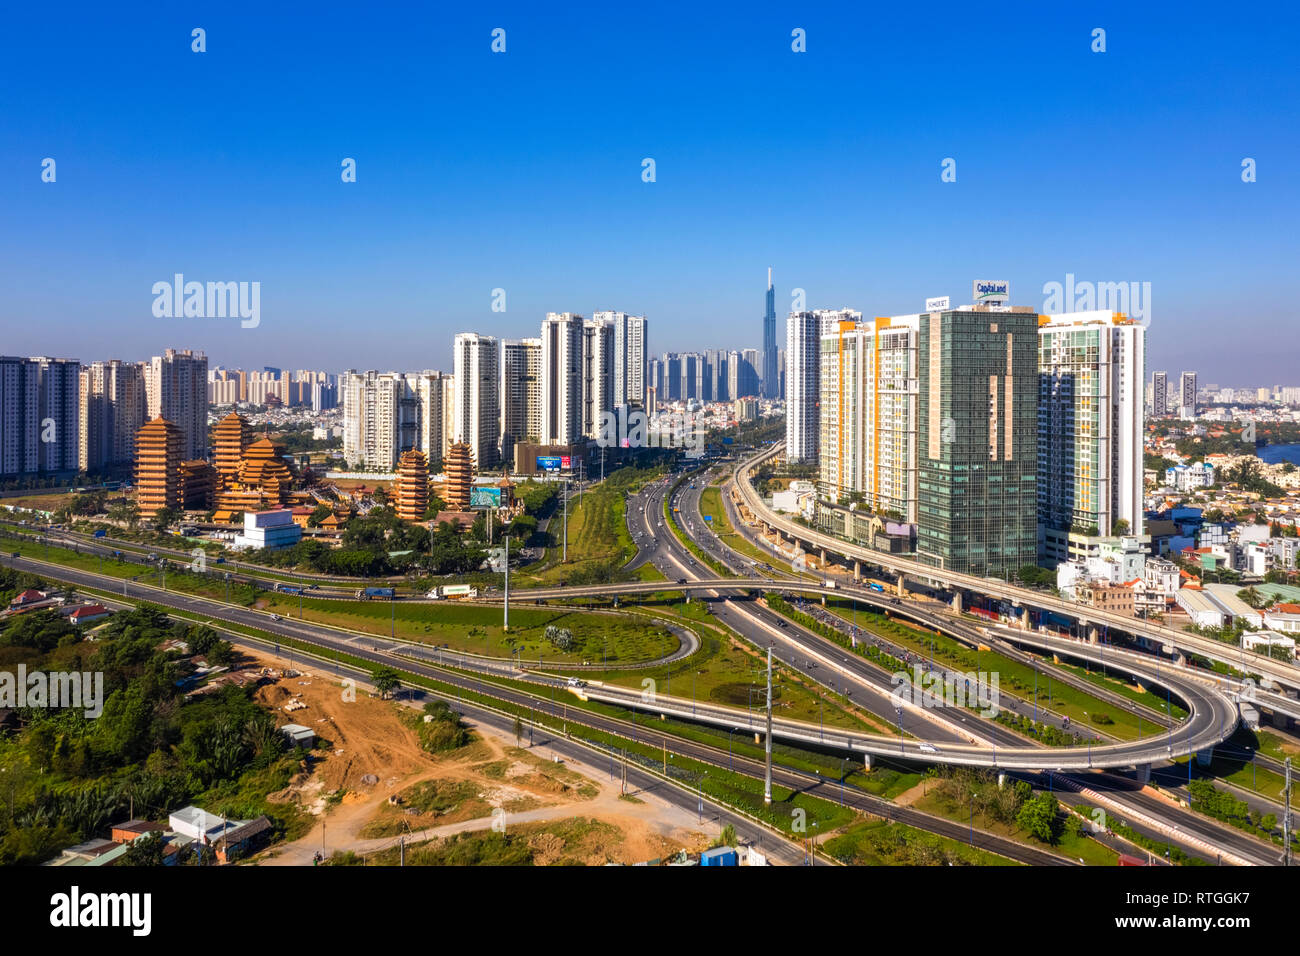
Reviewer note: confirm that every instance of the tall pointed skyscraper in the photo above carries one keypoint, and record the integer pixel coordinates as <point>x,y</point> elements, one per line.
<point>771,378</point>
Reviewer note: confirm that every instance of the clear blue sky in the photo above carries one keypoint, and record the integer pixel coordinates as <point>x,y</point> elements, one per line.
<point>523,171</point>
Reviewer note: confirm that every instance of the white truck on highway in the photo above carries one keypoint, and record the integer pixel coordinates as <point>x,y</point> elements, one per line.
<point>452,591</point>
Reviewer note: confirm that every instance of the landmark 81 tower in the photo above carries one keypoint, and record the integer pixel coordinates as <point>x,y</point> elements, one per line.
<point>771,379</point>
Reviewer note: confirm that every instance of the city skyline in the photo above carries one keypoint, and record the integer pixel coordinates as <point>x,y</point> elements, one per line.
<point>818,168</point>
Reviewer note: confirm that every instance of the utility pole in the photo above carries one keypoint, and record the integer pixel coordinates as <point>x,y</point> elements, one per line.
<point>505,620</point>
<point>1286,817</point>
<point>767,774</point>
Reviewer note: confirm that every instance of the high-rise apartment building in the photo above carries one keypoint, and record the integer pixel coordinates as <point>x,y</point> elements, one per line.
<point>867,436</point>
<point>630,355</point>
<point>176,388</point>
<point>562,350</point>
<point>1187,396</point>
<point>803,386</point>
<point>478,402</point>
<point>521,394</point>
<point>1159,394</point>
<point>977,439</point>
<point>385,414</point>
<point>1091,368</point>
<point>40,416</point>
<point>742,375</point>
<point>598,364</point>
<point>691,367</point>
<point>112,411</point>
<point>716,372</point>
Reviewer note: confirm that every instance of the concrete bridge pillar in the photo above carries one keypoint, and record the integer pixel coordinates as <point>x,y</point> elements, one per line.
<point>757,737</point>
<point>1204,758</point>
<point>822,554</point>
<point>1002,780</point>
<point>868,761</point>
<point>1281,721</point>
<point>1144,774</point>
<point>900,586</point>
<point>857,571</point>
<point>957,604</point>
<point>1092,633</point>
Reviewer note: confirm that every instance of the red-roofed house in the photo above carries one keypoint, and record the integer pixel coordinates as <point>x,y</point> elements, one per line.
<point>89,612</point>
<point>30,596</point>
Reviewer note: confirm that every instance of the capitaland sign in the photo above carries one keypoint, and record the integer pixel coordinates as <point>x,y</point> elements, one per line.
<point>991,290</point>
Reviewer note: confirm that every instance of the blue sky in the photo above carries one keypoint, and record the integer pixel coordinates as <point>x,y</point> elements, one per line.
<point>522,171</point>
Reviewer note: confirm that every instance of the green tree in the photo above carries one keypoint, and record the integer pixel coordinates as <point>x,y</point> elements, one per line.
<point>727,837</point>
<point>1040,818</point>
<point>125,512</point>
<point>385,680</point>
<point>148,850</point>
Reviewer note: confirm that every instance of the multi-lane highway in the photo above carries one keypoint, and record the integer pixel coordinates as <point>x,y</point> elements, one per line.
<point>1214,712</point>
<point>1287,674</point>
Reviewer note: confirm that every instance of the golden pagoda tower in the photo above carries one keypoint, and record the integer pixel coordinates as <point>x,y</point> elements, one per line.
<point>159,445</point>
<point>412,485</point>
<point>229,439</point>
<point>458,465</point>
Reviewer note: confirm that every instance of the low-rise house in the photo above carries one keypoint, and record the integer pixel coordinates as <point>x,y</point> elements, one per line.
<point>1284,618</point>
<point>228,838</point>
<point>88,613</point>
<point>299,735</point>
<point>1264,641</point>
<point>28,597</point>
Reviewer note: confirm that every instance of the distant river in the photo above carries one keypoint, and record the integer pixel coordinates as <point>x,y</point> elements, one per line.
<point>1276,454</point>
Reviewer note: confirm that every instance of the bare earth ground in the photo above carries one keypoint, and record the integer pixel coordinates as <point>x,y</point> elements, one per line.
<point>913,794</point>
<point>367,737</point>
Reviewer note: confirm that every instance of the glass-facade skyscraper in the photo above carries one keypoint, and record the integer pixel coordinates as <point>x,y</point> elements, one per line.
<point>771,377</point>
<point>977,439</point>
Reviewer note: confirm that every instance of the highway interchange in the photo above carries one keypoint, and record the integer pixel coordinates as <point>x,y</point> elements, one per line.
<point>970,741</point>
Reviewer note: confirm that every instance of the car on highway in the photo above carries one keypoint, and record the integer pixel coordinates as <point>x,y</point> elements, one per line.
<point>276,617</point>
<point>927,748</point>
<point>681,580</point>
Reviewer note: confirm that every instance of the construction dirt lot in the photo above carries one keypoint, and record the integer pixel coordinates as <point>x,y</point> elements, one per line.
<point>367,752</point>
